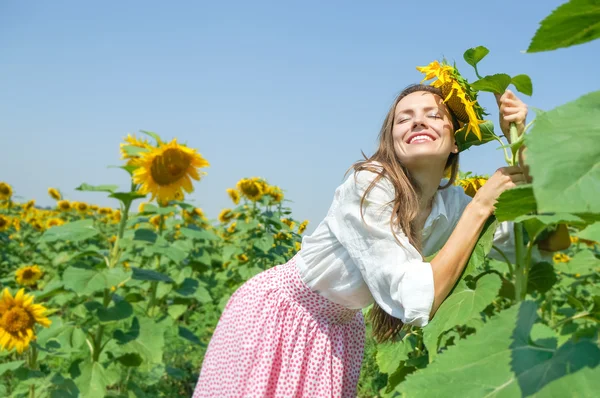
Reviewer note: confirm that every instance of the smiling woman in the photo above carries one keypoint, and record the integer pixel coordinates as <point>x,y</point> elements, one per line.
<point>297,329</point>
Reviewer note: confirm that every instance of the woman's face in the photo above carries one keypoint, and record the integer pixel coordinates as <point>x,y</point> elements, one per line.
<point>422,131</point>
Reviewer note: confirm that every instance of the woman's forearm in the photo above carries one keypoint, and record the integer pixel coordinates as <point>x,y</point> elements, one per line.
<point>449,263</point>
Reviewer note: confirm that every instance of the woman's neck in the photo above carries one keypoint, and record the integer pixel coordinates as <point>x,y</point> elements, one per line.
<point>428,181</point>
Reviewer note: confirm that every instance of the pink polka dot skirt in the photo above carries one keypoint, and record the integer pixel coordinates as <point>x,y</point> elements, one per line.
<point>277,338</point>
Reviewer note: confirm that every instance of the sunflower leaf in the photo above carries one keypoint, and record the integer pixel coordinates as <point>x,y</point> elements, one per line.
<point>74,231</point>
<point>159,141</point>
<point>97,188</point>
<point>497,83</point>
<point>126,197</point>
<point>464,142</point>
<point>574,22</point>
<point>541,277</point>
<point>523,84</point>
<point>473,55</point>
<point>515,202</point>
<point>564,157</point>
<point>592,232</point>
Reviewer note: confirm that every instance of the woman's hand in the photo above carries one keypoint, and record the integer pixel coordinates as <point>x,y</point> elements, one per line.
<point>512,109</point>
<point>504,178</point>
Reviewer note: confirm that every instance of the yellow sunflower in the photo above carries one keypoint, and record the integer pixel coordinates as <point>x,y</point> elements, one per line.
<point>472,184</point>
<point>107,211</point>
<point>251,188</point>
<point>18,317</point>
<point>297,246</point>
<point>155,220</point>
<point>288,222</point>
<point>94,207</point>
<point>116,216</point>
<point>63,205</point>
<point>167,170</point>
<point>133,147</point>
<point>225,216</point>
<point>275,193</point>
<point>54,194</point>
<point>458,94</point>
<point>29,205</point>
<point>200,213</point>
<point>231,228</point>
<point>234,195</point>
<point>16,223</point>
<point>81,207</point>
<point>282,235</point>
<point>28,275</point>
<point>242,258</point>
<point>4,223</point>
<point>302,227</point>
<point>54,222</point>
<point>561,258</point>
<point>5,191</point>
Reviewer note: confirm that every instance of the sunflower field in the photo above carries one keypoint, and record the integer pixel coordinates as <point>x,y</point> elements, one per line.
<point>122,301</point>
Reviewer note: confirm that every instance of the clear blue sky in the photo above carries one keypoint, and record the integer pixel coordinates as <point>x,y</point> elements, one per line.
<point>290,91</point>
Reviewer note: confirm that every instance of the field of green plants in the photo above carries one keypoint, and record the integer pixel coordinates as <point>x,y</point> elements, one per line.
<point>122,301</point>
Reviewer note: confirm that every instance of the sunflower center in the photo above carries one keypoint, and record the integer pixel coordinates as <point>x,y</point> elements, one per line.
<point>4,190</point>
<point>3,222</point>
<point>28,274</point>
<point>16,320</point>
<point>170,166</point>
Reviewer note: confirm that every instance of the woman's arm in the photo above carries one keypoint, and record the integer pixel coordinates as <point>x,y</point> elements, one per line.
<point>448,264</point>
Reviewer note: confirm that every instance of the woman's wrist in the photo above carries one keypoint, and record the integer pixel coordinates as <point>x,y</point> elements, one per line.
<point>479,209</point>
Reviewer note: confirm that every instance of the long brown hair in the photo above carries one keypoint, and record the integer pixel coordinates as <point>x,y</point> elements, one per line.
<point>406,200</point>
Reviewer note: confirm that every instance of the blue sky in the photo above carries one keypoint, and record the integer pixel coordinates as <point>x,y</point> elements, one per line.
<point>289,91</point>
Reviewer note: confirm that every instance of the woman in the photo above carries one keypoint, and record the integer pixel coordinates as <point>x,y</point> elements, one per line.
<point>297,330</point>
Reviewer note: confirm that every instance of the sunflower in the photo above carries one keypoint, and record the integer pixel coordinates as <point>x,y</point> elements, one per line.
<point>4,223</point>
<point>275,193</point>
<point>297,246</point>
<point>94,207</point>
<point>458,94</point>
<point>116,216</point>
<point>54,194</point>
<point>18,316</point>
<point>29,205</point>
<point>472,184</point>
<point>234,194</point>
<point>231,228</point>
<point>107,211</point>
<point>16,223</point>
<point>251,188</point>
<point>288,222</point>
<point>155,220</point>
<point>81,207</point>
<point>242,258</point>
<point>200,213</point>
<point>28,275</point>
<point>302,227</point>
<point>225,216</point>
<point>282,235</point>
<point>141,207</point>
<point>133,147</point>
<point>63,205</point>
<point>54,222</point>
<point>561,258</point>
<point>167,170</point>
<point>5,191</point>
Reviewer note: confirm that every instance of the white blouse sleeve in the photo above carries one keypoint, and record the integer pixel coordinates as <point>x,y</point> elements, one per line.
<point>396,275</point>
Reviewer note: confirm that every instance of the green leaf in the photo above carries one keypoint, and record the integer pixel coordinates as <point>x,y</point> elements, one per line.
<point>188,287</point>
<point>131,359</point>
<point>200,234</point>
<point>500,361</point>
<point>592,232</point>
<point>473,55</point>
<point>92,380</point>
<point>97,188</point>
<point>264,243</point>
<point>84,280</point>
<point>126,197</point>
<point>515,202</point>
<point>121,310</point>
<point>153,135</point>
<point>460,308</point>
<point>564,157</point>
<point>464,142</point>
<point>583,383</point>
<point>389,355</point>
<point>189,335</point>
<point>574,22</point>
<point>149,275</point>
<point>541,277</point>
<point>536,223</point>
<point>497,83</point>
<point>145,235</point>
<point>583,263</point>
<point>202,295</point>
<point>482,248</point>
<point>10,366</point>
<point>523,84</point>
<point>176,310</point>
<point>148,340</point>
<point>74,231</point>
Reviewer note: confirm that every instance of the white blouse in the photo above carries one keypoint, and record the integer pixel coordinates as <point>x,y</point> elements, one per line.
<point>354,264</point>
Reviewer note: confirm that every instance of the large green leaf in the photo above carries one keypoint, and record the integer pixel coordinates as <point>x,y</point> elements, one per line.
<point>149,275</point>
<point>536,223</point>
<point>119,311</point>
<point>92,380</point>
<point>146,339</point>
<point>592,232</point>
<point>497,83</point>
<point>583,263</point>
<point>515,202</point>
<point>97,188</point>
<point>464,142</point>
<point>73,231</point>
<point>10,366</point>
<point>500,360</point>
<point>85,280</point>
<point>389,355</point>
<point>473,55</point>
<point>564,157</point>
<point>460,308</point>
<point>541,277</point>
<point>581,384</point>
<point>200,234</point>
<point>574,22</point>
<point>482,247</point>
<point>523,84</point>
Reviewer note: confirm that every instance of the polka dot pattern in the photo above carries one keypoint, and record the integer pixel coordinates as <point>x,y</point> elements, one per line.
<point>277,338</point>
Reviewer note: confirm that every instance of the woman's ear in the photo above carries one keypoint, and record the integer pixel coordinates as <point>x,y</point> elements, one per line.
<point>455,148</point>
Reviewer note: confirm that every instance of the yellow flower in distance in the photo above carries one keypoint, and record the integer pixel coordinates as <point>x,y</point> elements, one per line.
<point>231,228</point>
<point>54,222</point>
<point>155,220</point>
<point>167,170</point>
<point>225,216</point>
<point>472,184</point>
<point>251,188</point>
<point>133,147</point>
<point>28,275</point>
<point>105,211</point>
<point>18,317</point>
<point>302,227</point>
<point>4,223</point>
<point>63,205</point>
<point>234,195</point>
<point>5,191</point>
<point>54,194</point>
<point>81,207</point>
<point>275,193</point>
<point>29,205</point>
<point>458,94</point>
<point>561,258</point>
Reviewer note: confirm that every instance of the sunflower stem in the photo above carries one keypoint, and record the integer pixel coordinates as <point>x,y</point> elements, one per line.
<point>520,266</point>
<point>100,331</point>
<point>114,255</point>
